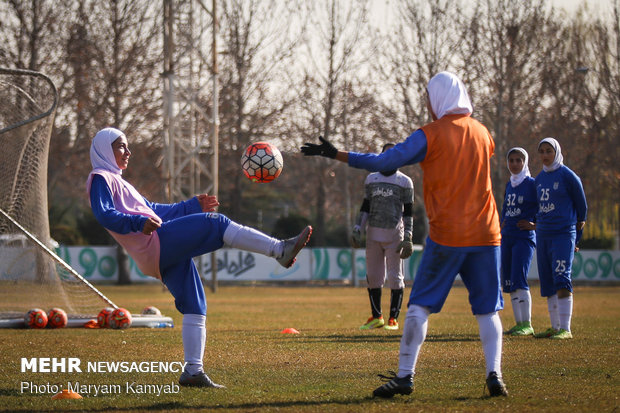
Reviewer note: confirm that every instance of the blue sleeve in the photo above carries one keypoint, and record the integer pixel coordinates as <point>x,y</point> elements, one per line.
<point>168,212</point>
<point>578,195</point>
<point>408,152</point>
<point>102,204</point>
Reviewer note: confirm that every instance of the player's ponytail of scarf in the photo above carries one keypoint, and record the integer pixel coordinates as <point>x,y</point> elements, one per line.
<point>558,160</point>
<point>101,152</point>
<point>516,179</point>
<point>448,96</point>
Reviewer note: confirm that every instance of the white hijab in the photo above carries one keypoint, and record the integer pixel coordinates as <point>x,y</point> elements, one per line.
<point>101,153</point>
<point>516,179</point>
<point>448,95</point>
<point>558,160</point>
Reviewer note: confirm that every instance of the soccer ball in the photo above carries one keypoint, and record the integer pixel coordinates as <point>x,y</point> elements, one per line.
<point>35,318</point>
<point>150,310</point>
<point>120,318</point>
<point>261,162</point>
<point>57,318</point>
<point>103,318</point>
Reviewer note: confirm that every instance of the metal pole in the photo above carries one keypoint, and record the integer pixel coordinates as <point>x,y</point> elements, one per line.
<point>169,96</point>
<point>215,136</point>
<point>347,177</point>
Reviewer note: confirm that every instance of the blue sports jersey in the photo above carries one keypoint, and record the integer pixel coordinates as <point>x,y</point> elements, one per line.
<point>102,204</point>
<point>519,203</point>
<point>561,202</point>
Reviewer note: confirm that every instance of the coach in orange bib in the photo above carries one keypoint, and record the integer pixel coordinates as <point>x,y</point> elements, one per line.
<point>454,151</point>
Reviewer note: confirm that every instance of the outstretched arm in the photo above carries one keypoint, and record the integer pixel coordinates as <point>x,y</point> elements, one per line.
<point>408,152</point>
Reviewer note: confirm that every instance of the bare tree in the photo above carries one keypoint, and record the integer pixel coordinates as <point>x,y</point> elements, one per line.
<point>28,33</point>
<point>336,48</point>
<point>258,41</point>
<point>505,72</point>
<point>109,77</point>
<point>424,41</point>
<point>582,84</point>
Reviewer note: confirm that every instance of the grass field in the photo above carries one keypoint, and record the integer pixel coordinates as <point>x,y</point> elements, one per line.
<point>331,366</point>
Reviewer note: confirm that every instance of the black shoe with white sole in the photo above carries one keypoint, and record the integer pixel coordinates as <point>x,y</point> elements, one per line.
<point>394,385</point>
<point>496,385</point>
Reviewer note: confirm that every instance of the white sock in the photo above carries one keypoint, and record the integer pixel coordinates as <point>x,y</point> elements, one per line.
<point>194,335</point>
<point>516,308</point>
<point>552,305</point>
<point>525,305</point>
<point>414,334</point>
<point>491,338</point>
<point>249,239</point>
<point>565,312</point>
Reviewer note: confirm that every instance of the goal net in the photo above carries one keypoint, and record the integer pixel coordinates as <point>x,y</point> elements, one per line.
<point>31,274</point>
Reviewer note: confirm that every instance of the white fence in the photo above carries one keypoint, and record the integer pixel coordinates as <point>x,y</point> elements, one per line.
<point>99,264</point>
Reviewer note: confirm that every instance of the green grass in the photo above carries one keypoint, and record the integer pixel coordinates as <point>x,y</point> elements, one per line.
<point>331,366</point>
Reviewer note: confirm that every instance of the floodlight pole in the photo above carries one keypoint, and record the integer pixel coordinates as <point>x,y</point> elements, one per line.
<point>215,136</point>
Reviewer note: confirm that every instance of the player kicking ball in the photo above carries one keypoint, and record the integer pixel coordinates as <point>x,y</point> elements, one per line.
<point>163,238</point>
<point>464,238</point>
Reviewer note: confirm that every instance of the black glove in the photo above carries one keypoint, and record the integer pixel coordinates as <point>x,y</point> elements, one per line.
<point>405,248</point>
<point>325,149</point>
<point>356,237</point>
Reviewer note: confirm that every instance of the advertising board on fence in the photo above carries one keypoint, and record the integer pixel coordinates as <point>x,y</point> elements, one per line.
<point>100,264</point>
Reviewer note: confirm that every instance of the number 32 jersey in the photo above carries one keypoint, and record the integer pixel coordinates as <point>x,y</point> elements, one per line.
<point>519,203</point>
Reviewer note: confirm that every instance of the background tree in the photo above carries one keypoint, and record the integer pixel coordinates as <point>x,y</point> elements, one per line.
<point>425,40</point>
<point>337,44</point>
<point>258,39</point>
<point>505,74</point>
<point>531,72</point>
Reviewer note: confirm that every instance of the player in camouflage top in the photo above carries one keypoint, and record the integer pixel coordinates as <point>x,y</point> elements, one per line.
<point>388,211</point>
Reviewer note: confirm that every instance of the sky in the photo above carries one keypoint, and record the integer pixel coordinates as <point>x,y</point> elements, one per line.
<point>572,5</point>
<point>378,6</point>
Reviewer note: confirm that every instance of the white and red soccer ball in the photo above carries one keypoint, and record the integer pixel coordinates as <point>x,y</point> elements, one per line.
<point>103,318</point>
<point>120,318</point>
<point>57,318</point>
<point>150,310</point>
<point>261,162</point>
<point>35,318</point>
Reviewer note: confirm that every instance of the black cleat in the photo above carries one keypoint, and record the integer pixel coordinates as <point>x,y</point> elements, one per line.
<point>495,385</point>
<point>394,385</point>
<point>198,380</point>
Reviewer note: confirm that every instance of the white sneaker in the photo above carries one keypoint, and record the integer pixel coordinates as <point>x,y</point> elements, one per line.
<point>292,246</point>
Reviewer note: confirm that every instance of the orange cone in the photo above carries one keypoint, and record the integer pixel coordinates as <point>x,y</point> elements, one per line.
<point>66,394</point>
<point>289,331</point>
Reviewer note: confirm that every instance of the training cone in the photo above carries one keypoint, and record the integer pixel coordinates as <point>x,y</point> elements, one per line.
<point>289,331</point>
<point>66,394</point>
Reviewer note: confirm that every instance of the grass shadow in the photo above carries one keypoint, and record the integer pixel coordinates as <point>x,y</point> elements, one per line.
<point>354,338</point>
<point>383,338</point>
<point>172,406</point>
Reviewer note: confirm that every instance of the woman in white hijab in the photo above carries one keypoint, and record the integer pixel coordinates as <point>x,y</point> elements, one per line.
<point>561,216</point>
<point>454,152</point>
<point>518,239</point>
<point>163,239</point>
